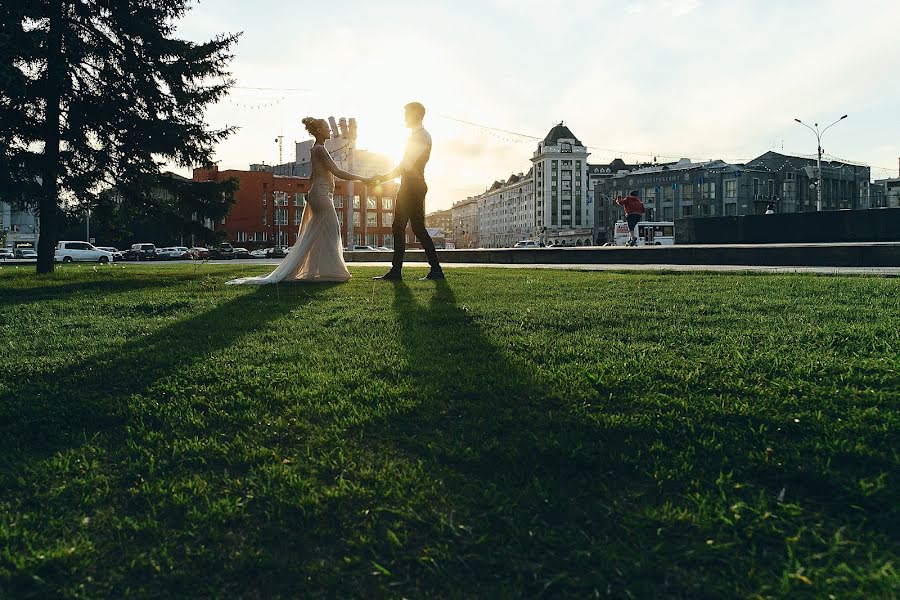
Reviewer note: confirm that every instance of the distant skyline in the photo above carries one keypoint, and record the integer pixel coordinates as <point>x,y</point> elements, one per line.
<point>634,79</point>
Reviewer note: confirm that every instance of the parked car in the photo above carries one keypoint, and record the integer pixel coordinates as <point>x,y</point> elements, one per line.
<point>365,249</point>
<point>527,244</point>
<point>26,253</point>
<point>223,252</point>
<point>117,254</point>
<point>174,253</point>
<point>199,253</point>
<point>240,253</point>
<point>260,253</point>
<point>6,254</point>
<point>384,249</point>
<point>69,252</point>
<point>140,252</point>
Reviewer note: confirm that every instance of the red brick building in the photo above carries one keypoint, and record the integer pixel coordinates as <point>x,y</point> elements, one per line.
<point>268,209</point>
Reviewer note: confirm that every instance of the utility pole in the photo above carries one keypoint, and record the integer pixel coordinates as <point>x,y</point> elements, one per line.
<point>277,211</point>
<point>819,135</point>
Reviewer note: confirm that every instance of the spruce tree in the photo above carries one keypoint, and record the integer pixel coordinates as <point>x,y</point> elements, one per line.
<point>95,93</point>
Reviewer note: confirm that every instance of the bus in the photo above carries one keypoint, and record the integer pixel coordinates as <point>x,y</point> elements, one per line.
<point>649,233</point>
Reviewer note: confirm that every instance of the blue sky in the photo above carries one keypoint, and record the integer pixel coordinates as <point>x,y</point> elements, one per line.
<point>672,78</point>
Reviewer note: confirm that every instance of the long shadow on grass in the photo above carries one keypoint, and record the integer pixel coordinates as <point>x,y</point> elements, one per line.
<point>66,406</point>
<point>526,483</point>
<point>537,497</point>
<point>60,289</point>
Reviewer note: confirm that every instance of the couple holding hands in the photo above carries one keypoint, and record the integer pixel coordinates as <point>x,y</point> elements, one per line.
<point>317,255</point>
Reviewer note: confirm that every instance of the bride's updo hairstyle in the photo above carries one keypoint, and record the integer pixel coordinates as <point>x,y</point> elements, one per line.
<point>314,126</point>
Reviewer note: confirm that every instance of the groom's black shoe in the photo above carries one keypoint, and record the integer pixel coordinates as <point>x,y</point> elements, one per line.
<point>436,274</point>
<point>391,275</point>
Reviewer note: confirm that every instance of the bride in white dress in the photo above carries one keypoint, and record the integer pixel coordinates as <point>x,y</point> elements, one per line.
<point>317,254</point>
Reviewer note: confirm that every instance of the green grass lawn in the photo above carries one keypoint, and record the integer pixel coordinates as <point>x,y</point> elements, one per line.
<point>509,433</point>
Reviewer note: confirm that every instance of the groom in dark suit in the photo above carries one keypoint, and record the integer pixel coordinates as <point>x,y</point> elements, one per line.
<point>410,207</point>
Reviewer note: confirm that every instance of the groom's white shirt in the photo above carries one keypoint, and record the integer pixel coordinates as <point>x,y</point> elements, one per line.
<point>419,142</point>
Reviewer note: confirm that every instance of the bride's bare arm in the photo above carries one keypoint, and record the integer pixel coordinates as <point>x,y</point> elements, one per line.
<point>331,166</point>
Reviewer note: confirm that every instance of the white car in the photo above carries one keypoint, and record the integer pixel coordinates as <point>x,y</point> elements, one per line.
<point>117,254</point>
<point>68,252</point>
<point>527,244</point>
<point>6,254</point>
<point>174,253</point>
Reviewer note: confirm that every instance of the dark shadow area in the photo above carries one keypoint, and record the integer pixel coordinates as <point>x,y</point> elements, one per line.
<point>64,407</point>
<point>100,287</point>
<point>550,501</point>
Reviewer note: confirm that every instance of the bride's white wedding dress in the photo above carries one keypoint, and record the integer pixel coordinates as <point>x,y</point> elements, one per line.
<point>317,254</point>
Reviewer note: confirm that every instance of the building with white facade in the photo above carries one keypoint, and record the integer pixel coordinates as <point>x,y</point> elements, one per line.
<point>506,212</point>
<point>550,203</point>
<point>464,226</point>
<point>563,208</point>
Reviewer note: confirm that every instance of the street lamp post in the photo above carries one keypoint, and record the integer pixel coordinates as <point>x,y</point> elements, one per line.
<point>819,135</point>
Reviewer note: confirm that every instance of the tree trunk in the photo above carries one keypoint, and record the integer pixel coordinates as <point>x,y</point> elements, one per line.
<point>48,208</point>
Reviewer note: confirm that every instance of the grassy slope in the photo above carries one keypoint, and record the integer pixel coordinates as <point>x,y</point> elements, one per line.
<point>511,433</point>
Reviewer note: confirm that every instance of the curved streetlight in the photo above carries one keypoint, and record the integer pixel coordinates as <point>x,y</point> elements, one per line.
<point>819,135</point>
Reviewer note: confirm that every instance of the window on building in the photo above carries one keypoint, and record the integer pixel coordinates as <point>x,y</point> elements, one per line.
<point>265,193</point>
<point>668,194</point>
<point>265,216</point>
<point>371,203</point>
<point>299,199</point>
<point>339,201</point>
<point>280,198</point>
<point>372,219</point>
<point>731,188</point>
<point>756,189</point>
<point>708,190</point>
<point>356,201</point>
<point>281,216</point>
<point>298,216</point>
<point>650,195</point>
<point>687,191</point>
<point>730,209</point>
<point>241,236</point>
<point>387,203</point>
<point>356,219</point>
<point>687,210</point>
<point>387,219</point>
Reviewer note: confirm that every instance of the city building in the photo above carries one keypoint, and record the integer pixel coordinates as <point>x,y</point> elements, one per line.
<point>341,146</point>
<point>549,203</point>
<point>441,219</point>
<point>268,209</point>
<point>888,192</point>
<point>19,227</point>
<point>563,212</point>
<point>464,228</point>
<point>844,184</point>
<point>717,188</point>
<point>506,212</point>
<point>598,173</point>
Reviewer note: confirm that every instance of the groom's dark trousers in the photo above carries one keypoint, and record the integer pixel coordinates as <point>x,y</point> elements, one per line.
<point>411,209</point>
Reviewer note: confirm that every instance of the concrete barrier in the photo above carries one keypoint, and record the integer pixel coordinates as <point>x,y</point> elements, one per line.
<point>779,255</point>
<point>829,226</point>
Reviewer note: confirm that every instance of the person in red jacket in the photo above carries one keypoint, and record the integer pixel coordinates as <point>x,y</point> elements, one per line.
<point>634,209</point>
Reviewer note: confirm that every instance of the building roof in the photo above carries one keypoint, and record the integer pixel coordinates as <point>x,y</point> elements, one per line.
<point>560,132</point>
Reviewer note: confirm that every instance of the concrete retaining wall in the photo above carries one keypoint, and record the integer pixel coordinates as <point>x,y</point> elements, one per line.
<point>874,225</point>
